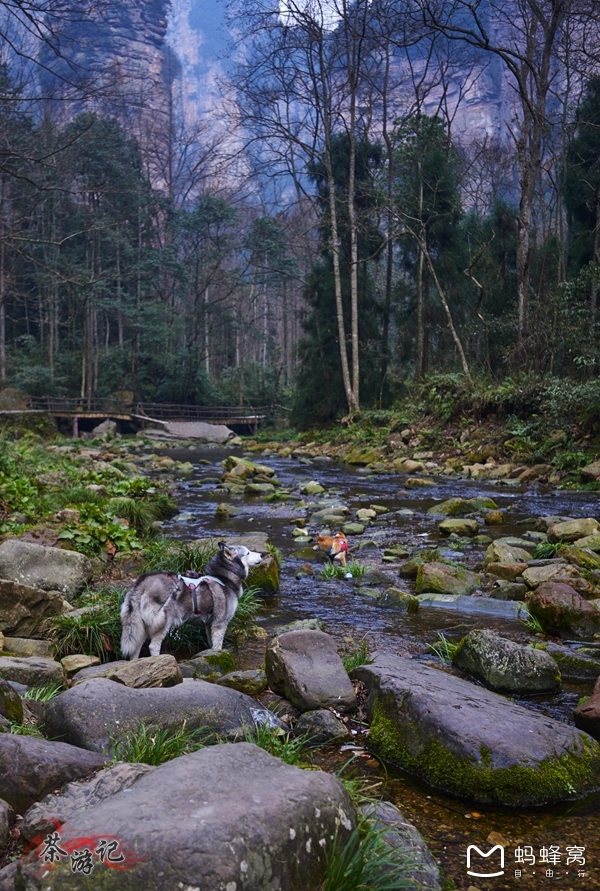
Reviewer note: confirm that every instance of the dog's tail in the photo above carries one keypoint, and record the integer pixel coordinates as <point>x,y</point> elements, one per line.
<point>133,635</point>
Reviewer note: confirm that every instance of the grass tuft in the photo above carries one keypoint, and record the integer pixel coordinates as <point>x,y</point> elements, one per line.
<point>444,649</point>
<point>365,862</point>
<point>334,571</point>
<point>531,623</point>
<point>357,656</point>
<point>276,741</point>
<point>46,693</point>
<point>152,745</point>
<point>545,550</point>
<point>96,632</point>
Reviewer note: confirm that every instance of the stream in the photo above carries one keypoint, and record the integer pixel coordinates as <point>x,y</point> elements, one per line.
<point>449,825</point>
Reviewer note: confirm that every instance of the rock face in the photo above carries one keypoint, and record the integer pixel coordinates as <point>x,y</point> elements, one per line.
<point>471,742</point>
<point>87,714</point>
<point>31,767</point>
<point>24,611</point>
<point>50,569</point>
<point>405,838</point>
<point>234,817</point>
<point>505,666</point>
<point>154,671</point>
<point>561,610</point>
<point>11,705</point>
<point>441,578</point>
<point>304,667</point>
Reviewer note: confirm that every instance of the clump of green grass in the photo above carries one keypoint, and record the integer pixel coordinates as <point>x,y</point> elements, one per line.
<point>45,693</point>
<point>531,623</point>
<point>277,741</point>
<point>545,550</point>
<point>335,571</point>
<point>443,648</point>
<point>25,730</point>
<point>95,632</point>
<point>356,656</point>
<point>153,745</point>
<point>366,861</point>
<point>247,609</point>
<point>166,555</point>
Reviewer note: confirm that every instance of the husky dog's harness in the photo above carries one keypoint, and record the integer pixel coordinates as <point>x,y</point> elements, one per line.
<point>193,585</point>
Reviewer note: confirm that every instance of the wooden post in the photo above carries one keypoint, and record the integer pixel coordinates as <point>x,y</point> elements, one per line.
<point>75,427</point>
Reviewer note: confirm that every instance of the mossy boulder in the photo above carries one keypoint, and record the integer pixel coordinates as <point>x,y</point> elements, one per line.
<point>457,507</point>
<point>11,705</point>
<point>362,457</point>
<point>471,742</point>
<point>503,552</point>
<point>574,665</point>
<point>442,578</point>
<point>400,600</point>
<point>587,715</point>
<point>562,611</point>
<point>589,542</point>
<point>266,575</point>
<point>582,557</point>
<point>312,488</point>
<point>243,467</point>
<point>251,682</point>
<point>505,666</point>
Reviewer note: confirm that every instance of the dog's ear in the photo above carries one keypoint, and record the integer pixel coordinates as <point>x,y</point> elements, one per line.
<point>221,545</point>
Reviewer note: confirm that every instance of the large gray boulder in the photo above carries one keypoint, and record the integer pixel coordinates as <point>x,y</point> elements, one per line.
<point>32,767</point>
<point>154,671</point>
<point>305,668</point>
<point>25,611</point>
<point>471,742</point>
<point>51,569</point>
<point>33,671</point>
<point>7,818</point>
<point>88,714</point>
<point>505,666</point>
<point>223,818</point>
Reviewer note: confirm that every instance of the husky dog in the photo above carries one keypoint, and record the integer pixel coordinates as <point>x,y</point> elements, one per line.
<point>160,601</point>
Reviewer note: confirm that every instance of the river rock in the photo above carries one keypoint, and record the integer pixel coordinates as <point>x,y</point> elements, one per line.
<point>11,704</point>
<point>505,666</point>
<point>401,600</point>
<point>75,797</point>
<point>230,816</point>
<point>537,575</point>
<point>582,557</point>
<point>459,506</point>
<point>590,472</point>
<point>590,542</point>
<point>502,552</point>
<point>406,840</point>
<point>225,511</point>
<point>509,591</point>
<point>506,571</point>
<point>153,671</point>
<point>587,715</point>
<point>312,488</point>
<point>86,715</point>
<point>353,528</point>
<point>32,767</point>
<point>321,726</point>
<point>573,665</point>
<point>50,569</point>
<point>34,671</point>
<point>26,646</point>
<point>209,665</point>
<point>459,527</point>
<point>572,530</point>
<point>7,818</point>
<point>305,668</point>
<point>252,682</point>
<point>24,611</point>
<point>561,610</point>
<point>418,482</point>
<point>494,518</point>
<point>266,575</point>
<point>471,742</point>
<point>77,662</point>
<point>373,577</point>
<point>259,489</point>
<point>244,467</point>
<point>441,578</point>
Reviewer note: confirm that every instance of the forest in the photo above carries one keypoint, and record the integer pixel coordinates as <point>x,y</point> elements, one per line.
<point>338,235</point>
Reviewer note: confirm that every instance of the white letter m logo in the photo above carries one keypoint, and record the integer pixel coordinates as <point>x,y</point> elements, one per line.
<point>485,875</point>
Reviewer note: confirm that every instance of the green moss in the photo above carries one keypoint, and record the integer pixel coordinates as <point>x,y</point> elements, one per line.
<point>222,660</point>
<point>265,576</point>
<point>569,776</point>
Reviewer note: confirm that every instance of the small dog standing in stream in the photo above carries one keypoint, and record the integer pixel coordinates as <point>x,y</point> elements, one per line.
<point>160,601</point>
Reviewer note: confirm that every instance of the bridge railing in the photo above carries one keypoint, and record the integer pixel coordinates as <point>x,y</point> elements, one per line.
<point>161,411</point>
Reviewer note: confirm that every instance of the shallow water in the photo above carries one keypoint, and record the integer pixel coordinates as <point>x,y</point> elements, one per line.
<point>449,825</point>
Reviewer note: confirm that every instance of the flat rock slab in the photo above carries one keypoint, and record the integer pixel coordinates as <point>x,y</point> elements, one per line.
<point>471,742</point>
<point>153,671</point>
<point>223,818</point>
<point>30,768</point>
<point>199,430</point>
<point>25,610</point>
<point>34,671</point>
<point>86,715</point>
<point>51,569</point>
<point>305,668</point>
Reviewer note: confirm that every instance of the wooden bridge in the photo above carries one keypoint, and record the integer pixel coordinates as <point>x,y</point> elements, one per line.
<point>145,413</point>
